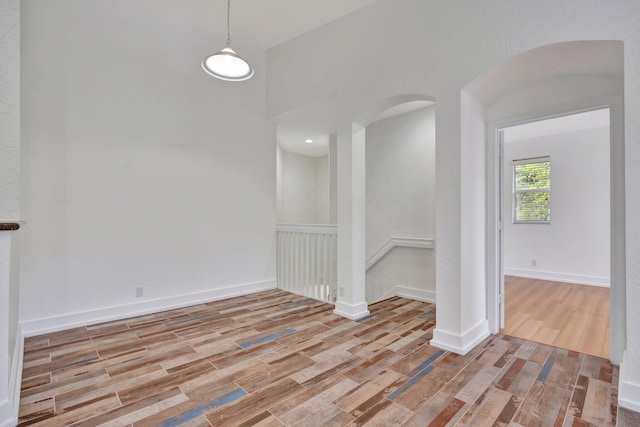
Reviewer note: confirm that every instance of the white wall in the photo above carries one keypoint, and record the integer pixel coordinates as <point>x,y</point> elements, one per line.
<point>139,170</point>
<point>400,198</point>
<point>323,208</point>
<point>303,188</point>
<point>10,110</point>
<point>9,198</point>
<point>5,257</point>
<point>574,247</point>
<point>333,178</point>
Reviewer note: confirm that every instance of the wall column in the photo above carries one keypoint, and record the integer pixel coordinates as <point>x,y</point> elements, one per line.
<point>629,391</point>
<point>5,404</point>
<point>9,196</point>
<point>460,232</point>
<point>350,146</point>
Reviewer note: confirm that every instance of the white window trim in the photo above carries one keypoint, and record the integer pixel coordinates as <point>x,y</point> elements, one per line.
<point>531,160</point>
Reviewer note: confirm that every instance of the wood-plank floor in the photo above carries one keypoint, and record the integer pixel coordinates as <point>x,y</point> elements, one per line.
<point>276,358</point>
<point>575,317</point>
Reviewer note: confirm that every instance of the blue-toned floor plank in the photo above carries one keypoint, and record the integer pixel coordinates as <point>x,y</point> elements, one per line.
<point>542,376</point>
<point>411,382</point>
<point>428,313</point>
<point>203,409</point>
<point>268,338</point>
<point>426,363</point>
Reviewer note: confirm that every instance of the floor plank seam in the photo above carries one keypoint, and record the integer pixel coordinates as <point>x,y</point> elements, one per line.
<point>573,390</point>
<point>531,385</point>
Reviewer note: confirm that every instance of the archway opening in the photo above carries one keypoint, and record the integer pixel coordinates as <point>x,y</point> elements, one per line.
<point>544,82</point>
<point>555,202</point>
<point>400,200</point>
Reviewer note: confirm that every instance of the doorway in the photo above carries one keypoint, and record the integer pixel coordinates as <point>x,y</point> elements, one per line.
<point>554,203</point>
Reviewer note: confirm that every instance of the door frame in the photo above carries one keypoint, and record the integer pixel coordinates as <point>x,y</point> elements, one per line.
<point>495,241</point>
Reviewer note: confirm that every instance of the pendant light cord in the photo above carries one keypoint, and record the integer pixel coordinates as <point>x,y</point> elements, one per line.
<point>228,30</point>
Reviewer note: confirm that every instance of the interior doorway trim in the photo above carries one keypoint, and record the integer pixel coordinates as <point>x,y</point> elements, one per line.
<point>494,166</point>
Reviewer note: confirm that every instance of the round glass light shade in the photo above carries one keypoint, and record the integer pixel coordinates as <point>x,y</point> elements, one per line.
<point>227,65</point>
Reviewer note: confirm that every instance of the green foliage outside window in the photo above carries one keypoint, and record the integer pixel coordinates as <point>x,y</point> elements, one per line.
<point>532,192</point>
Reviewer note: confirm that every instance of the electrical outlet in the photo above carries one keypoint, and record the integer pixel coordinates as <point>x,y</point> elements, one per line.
<point>139,292</point>
<point>534,263</point>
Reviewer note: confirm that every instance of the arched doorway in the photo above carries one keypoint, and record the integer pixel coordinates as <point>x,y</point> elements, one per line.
<point>400,200</point>
<point>544,82</point>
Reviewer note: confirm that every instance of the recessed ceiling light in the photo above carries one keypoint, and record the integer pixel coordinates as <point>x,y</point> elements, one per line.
<point>309,141</point>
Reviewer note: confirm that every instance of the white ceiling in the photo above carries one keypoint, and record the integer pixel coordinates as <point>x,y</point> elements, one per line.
<point>293,141</point>
<point>262,23</point>
<point>558,125</point>
<point>316,121</point>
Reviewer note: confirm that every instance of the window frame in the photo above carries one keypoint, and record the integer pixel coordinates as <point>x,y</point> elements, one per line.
<point>514,192</point>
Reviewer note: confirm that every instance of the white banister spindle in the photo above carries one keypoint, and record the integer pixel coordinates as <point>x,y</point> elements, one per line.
<point>333,266</point>
<point>323,267</point>
<point>306,261</point>
<point>310,260</point>
<point>278,255</point>
<point>290,258</point>
<point>316,256</point>
<point>294,261</point>
<point>307,264</point>
<point>287,259</point>
<point>326,242</point>
<point>319,283</point>
<point>316,271</point>
<point>284,277</point>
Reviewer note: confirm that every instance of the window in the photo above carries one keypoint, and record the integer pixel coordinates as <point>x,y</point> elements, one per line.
<point>532,191</point>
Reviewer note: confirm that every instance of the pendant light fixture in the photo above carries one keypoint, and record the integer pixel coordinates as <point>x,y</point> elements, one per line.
<point>226,64</point>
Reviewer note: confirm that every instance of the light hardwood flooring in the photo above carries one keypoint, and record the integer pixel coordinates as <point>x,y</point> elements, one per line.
<point>575,317</point>
<point>275,358</point>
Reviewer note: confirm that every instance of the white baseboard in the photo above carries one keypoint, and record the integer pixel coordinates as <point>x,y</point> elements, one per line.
<point>7,419</point>
<point>68,321</point>
<point>411,293</point>
<point>461,344</point>
<point>628,392</point>
<point>578,279</point>
<point>416,294</point>
<point>351,311</point>
<point>393,292</point>
<point>15,379</point>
